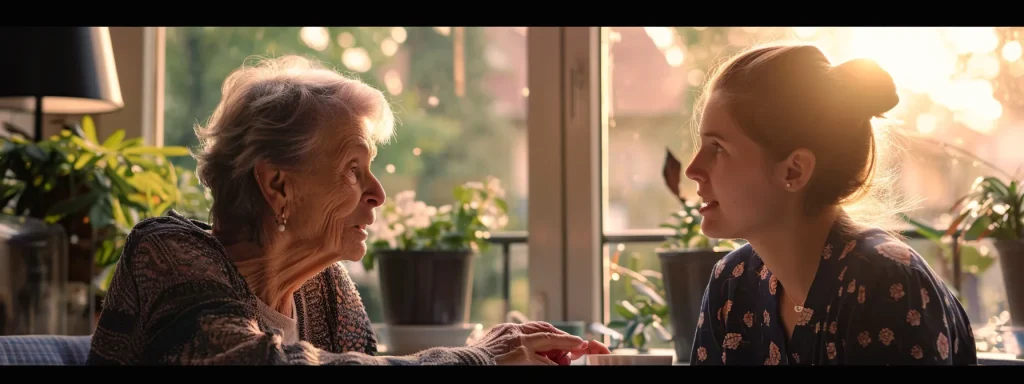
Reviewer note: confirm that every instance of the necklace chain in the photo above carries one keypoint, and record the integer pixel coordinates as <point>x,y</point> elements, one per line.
<point>796,307</point>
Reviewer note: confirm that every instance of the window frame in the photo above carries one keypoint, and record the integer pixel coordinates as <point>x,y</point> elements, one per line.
<point>564,77</point>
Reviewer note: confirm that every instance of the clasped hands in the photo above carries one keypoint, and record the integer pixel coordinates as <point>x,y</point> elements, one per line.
<point>536,343</point>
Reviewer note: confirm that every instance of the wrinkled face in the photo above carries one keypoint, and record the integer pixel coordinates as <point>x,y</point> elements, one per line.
<point>734,178</point>
<point>335,201</point>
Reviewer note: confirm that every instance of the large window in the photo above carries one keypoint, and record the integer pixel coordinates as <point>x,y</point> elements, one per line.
<point>605,104</point>
<point>957,86</point>
<point>460,95</point>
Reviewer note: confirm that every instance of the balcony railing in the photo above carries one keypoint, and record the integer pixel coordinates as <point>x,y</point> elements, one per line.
<point>505,240</point>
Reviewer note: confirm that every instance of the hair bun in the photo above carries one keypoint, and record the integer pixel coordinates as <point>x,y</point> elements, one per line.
<point>865,89</point>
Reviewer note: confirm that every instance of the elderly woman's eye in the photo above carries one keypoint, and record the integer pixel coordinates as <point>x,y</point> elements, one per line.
<point>355,173</point>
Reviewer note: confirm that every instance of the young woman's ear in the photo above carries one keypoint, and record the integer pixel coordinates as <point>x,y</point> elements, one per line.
<point>795,171</point>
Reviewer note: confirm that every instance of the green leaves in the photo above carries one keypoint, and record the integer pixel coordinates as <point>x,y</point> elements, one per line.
<point>992,209</point>
<point>71,206</point>
<point>643,316</point>
<point>110,185</point>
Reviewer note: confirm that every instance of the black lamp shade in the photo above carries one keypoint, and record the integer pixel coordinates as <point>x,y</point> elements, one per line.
<point>71,68</point>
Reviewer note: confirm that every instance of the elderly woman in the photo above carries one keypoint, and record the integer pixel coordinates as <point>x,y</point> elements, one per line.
<point>287,157</point>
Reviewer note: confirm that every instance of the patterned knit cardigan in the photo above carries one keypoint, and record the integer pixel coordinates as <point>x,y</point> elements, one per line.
<point>176,299</point>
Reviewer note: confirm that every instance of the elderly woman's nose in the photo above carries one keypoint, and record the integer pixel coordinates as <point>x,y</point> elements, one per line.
<point>375,195</point>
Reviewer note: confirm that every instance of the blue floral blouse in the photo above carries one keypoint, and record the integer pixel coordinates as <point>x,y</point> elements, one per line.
<point>874,300</point>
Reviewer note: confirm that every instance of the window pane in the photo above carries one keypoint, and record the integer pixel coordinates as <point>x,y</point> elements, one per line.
<point>958,86</point>
<point>460,96</point>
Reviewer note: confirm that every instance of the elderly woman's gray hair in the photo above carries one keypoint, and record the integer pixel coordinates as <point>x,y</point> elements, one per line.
<point>286,111</point>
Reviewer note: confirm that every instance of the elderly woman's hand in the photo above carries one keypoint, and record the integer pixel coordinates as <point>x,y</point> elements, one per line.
<point>534,343</point>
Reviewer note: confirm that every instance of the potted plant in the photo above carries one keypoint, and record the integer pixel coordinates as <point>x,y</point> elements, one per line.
<point>974,261</point>
<point>687,259</point>
<point>425,253</point>
<point>95,191</point>
<point>644,313</point>
<point>994,209</point>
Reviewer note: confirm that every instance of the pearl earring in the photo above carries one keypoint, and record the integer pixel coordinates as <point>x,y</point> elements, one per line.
<point>282,221</point>
<point>789,185</point>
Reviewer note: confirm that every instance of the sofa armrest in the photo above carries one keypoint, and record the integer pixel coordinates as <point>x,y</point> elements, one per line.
<point>44,350</point>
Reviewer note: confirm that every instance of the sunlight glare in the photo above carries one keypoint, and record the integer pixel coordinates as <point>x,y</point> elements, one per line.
<point>972,40</point>
<point>346,40</point>
<point>393,82</point>
<point>356,59</point>
<point>960,95</point>
<point>399,34</point>
<point>1012,51</point>
<point>661,36</point>
<point>903,52</point>
<point>926,123</point>
<point>317,38</point>
<point>805,32</point>
<point>984,66</point>
<point>614,36</point>
<point>389,47</point>
<point>674,56</point>
<point>972,103</point>
<point>695,77</point>
<point>926,61</point>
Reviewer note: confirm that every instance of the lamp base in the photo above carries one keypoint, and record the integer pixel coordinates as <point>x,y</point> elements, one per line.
<point>38,123</point>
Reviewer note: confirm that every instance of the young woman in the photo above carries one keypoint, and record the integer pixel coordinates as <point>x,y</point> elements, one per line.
<point>786,145</point>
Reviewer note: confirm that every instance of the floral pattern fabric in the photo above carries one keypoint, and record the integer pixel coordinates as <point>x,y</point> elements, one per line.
<point>874,301</point>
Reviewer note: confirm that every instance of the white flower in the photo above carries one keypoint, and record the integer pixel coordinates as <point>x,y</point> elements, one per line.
<point>494,187</point>
<point>444,209</point>
<point>404,202</point>
<point>418,217</point>
<point>405,197</point>
<point>403,217</point>
<point>380,230</point>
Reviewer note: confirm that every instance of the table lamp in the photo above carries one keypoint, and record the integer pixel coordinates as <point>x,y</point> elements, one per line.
<point>58,70</point>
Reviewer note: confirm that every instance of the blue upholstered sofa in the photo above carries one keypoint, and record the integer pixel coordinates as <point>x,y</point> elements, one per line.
<point>43,350</point>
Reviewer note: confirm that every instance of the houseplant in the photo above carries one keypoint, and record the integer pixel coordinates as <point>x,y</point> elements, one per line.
<point>95,190</point>
<point>644,313</point>
<point>425,253</point>
<point>687,260</point>
<point>994,209</point>
<point>974,260</point>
